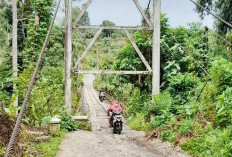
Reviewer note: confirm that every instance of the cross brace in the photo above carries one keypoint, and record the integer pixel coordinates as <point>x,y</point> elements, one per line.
<point>114,27</point>
<point>113,72</point>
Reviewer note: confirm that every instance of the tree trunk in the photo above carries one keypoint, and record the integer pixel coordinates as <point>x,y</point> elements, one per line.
<point>14,48</point>
<point>68,54</point>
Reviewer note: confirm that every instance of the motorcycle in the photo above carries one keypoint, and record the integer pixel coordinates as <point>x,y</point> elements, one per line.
<point>101,98</point>
<point>116,122</point>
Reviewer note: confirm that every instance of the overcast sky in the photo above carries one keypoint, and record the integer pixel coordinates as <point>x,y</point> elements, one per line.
<point>125,13</point>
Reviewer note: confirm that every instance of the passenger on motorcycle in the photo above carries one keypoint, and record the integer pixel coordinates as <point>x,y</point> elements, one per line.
<point>115,106</point>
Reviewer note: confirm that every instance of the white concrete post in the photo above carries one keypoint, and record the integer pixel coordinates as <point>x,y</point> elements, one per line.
<point>68,54</point>
<point>156,48</point>
<point>14,48</point>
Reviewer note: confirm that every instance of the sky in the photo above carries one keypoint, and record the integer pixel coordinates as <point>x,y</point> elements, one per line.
<point>125,13</point>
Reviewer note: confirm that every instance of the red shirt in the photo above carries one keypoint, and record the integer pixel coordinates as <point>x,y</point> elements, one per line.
<point>113,107</point>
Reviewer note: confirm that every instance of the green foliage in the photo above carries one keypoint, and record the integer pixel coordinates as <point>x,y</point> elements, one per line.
<point>221,74</point>
<point>106,32</point>
<point>135,103</point>
<point>47,96</point>
<point>213,144</point>
<point>37,30</point>
<point>51,147</point>
<point>224,108</point>
<point>2,151</point>
<point>185,126</point>
<point>138,122</point>
<point>11,110</point>
<point>160,120</point>
<point>223,8</point>
<point>84,126</point>
<point>168,135</point>
<point>182,87</point>
<point>85,20</point>
<point>162,102</point>
<point>67,123</point>
<point>46,120</point>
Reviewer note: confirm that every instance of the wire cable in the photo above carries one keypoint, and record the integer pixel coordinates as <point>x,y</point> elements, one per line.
<point>217,17</point>
<point>224,39</point>
<point>148,5</point>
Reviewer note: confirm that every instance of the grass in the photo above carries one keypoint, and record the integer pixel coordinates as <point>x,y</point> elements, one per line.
<point>137,122</point>
<point>2,151</point>
<point>50,148</point>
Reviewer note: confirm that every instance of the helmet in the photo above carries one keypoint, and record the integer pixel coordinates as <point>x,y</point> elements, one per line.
<point>116,104</point>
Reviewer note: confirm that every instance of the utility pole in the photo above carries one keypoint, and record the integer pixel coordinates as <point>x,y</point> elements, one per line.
<point>14,49</point>
<point>68,54</point>
<point>156,48</point>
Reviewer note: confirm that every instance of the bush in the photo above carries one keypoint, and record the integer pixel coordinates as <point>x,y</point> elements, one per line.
<point>182,87</point>
<point>168,135</point>
<point>138,122</point>
<point>224,108</point>
<point>221,74</point>
<point>160,120</point>
<point>67,123</point>
<point>212,144</point>
<point>162,102</point>
<point>185,126</point>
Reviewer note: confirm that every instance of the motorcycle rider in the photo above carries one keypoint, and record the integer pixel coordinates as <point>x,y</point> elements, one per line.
<point>101,94</point>
<point>115,106</point>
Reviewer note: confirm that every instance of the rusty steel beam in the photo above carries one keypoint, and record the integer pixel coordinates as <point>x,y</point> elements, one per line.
<point>113,72</point>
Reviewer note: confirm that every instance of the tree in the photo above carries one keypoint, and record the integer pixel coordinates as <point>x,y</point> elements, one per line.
<point>223,8</point>
<point>107,32</point>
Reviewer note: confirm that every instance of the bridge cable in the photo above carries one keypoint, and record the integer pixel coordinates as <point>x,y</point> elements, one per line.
<point>33,78</point>
<point>148,5</point>
<point>221,37</point>
<point>217,17</point>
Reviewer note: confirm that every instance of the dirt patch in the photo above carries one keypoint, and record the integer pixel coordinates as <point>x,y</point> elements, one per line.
<point>156,134</point>
<point>182,138</point>
<point>24,142</point>
<point>6,128</point>
<point>44,129</point>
